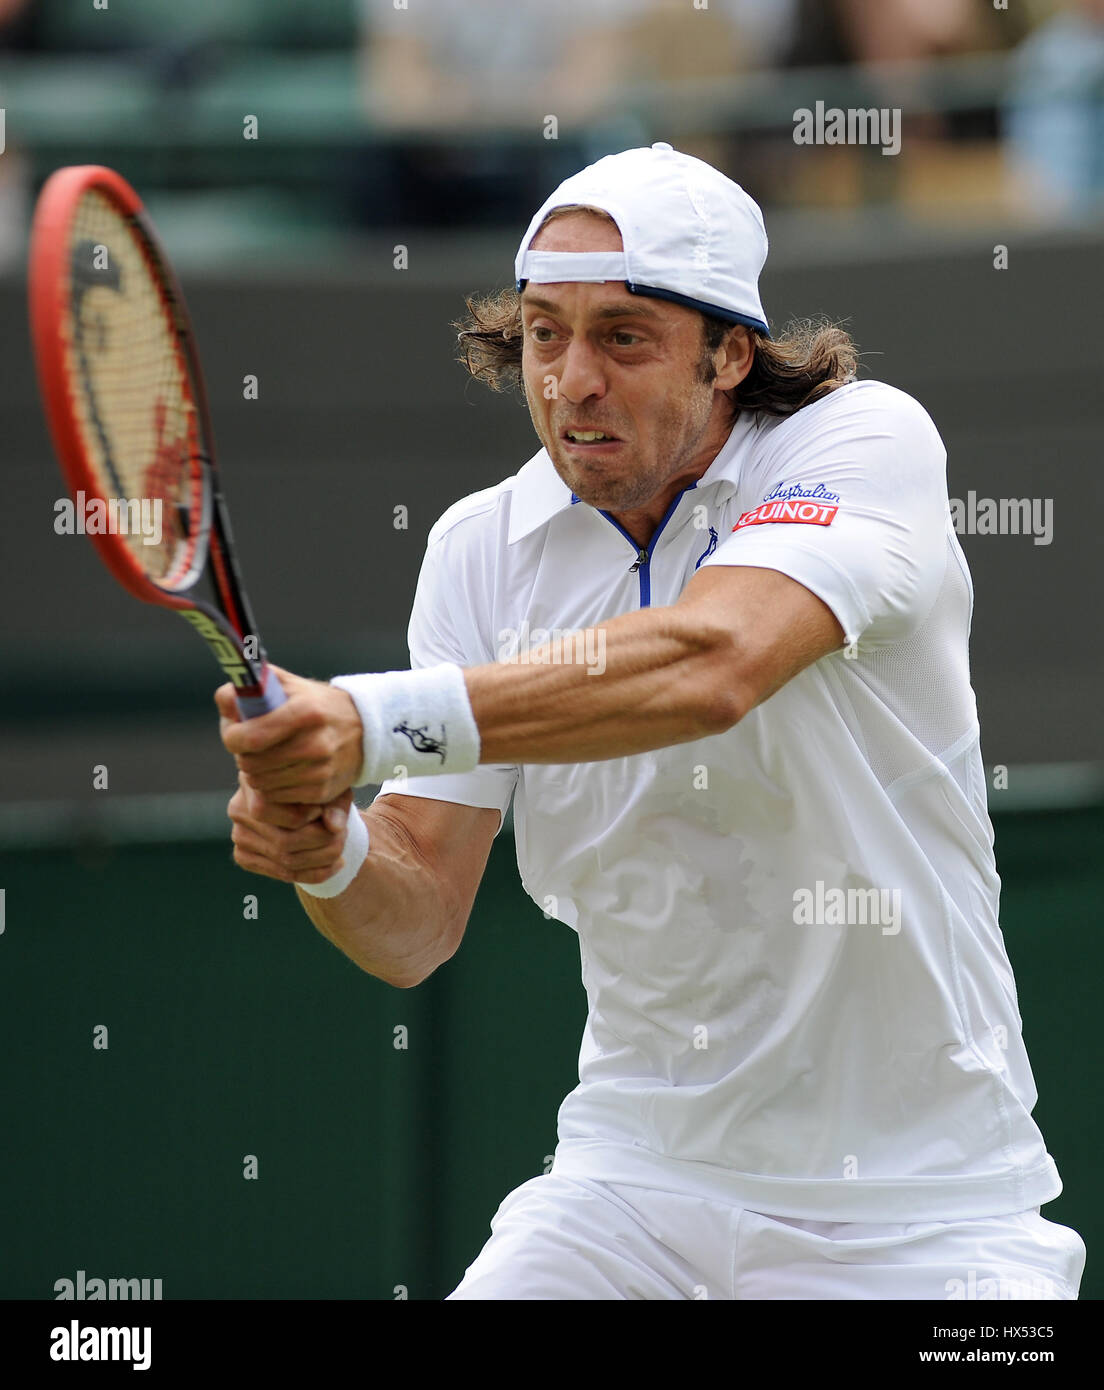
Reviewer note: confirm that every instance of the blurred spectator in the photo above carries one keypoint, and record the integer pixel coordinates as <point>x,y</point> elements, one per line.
<point>449,67</point>
<point>767,27</point>
<point>440,64</point>
<point>951,162</point>
<point>884,31</point>
<point>1055,118</point>
<point>879,31</point>
<point>681,58</point>
<point>446,67</point>
<point>669,40</point>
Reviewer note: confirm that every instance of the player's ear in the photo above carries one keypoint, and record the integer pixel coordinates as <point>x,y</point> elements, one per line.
<point>734,357</point>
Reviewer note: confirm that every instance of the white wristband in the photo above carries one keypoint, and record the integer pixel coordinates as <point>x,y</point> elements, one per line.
<point>354,854</point>
<point>420,722</point>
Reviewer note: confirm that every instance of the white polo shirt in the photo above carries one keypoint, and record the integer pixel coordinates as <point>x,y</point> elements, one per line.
<point>799,996</point>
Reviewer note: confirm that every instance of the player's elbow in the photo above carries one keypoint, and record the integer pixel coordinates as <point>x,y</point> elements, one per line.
<point>406,981</point>
<point>400,975</point>
<point>446,942</point>
<point>722,707</point>
<point>718,682</point>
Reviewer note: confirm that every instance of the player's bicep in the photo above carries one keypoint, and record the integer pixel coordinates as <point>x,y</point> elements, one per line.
<point>778,626</point>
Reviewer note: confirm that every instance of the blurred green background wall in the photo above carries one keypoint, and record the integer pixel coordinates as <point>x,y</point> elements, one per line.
<point>377,1167</point>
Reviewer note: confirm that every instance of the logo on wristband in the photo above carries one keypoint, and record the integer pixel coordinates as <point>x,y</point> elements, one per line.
<point>421,741</point>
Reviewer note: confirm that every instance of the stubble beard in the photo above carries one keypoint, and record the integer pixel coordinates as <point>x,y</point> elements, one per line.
<point>633,491</point>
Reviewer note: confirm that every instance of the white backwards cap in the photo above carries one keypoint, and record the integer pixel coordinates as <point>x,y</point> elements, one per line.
<point>690,234</point>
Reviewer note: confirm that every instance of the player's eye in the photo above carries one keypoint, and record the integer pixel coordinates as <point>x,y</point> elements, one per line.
<point>623,338</point>
<point>541,333</point>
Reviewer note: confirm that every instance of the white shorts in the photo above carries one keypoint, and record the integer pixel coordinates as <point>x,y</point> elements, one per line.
<point>571,1238</point>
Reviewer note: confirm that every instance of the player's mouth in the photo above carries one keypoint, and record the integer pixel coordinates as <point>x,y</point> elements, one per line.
<point>590,441</point>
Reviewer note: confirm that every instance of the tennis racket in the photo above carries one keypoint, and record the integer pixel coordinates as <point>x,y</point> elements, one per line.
<point>124,398</point>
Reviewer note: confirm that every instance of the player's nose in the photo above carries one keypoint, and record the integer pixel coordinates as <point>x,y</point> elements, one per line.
<point>582,374</point>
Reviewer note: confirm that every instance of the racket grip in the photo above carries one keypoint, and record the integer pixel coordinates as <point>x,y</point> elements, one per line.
<point>270,698</point>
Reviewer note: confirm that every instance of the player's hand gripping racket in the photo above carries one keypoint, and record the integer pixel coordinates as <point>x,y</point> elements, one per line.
<point>124,397</point>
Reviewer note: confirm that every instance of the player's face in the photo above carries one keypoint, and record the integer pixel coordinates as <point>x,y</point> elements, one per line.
<point>597,359</point>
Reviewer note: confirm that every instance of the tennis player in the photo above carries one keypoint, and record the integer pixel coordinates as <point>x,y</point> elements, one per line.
<point>712,641</point>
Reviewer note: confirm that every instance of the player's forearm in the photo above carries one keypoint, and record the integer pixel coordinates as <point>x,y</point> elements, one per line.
<point>639,682</point>
<point>393,920</point>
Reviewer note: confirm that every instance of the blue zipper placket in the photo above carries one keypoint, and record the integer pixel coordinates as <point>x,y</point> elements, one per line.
<point>644,553</point>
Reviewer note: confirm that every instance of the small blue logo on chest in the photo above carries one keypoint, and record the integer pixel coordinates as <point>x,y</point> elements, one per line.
<point>710,548</point>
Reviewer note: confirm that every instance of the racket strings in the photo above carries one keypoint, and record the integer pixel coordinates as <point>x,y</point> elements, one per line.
<point>131,392</point>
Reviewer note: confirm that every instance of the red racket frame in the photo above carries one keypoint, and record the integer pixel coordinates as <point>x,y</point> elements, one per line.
<point>211,542</point>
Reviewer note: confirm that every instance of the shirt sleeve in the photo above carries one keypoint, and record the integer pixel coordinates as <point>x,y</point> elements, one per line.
<point>849,498</point>
<point>443,627</point>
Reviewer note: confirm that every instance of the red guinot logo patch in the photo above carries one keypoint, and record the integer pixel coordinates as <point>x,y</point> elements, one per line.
<point>792,509</point>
